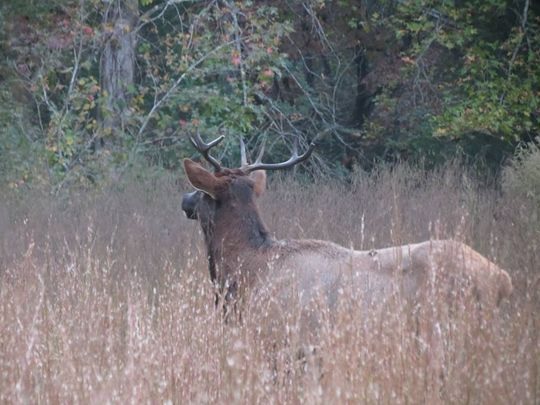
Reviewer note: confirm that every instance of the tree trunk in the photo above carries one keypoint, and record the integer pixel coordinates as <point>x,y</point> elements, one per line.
<point>117,66</point>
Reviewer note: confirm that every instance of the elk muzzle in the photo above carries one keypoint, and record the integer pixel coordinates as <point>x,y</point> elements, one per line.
<point>189,204</point>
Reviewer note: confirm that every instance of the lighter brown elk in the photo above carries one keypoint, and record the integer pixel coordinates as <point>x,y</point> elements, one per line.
<point>251,268</point>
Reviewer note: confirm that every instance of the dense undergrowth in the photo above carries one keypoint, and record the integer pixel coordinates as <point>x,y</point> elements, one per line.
<point>106,297</point>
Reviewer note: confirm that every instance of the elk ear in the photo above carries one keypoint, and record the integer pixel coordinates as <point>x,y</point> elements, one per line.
<point>200,178</point>
<point>259,177</point>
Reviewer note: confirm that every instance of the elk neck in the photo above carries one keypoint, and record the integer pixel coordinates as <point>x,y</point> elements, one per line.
<point>236,238</point>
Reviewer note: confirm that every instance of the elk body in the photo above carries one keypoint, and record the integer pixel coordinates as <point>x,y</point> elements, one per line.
<point>246,261</point>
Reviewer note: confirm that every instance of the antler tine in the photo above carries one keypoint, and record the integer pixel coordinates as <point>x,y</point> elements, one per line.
<point>243,157</point>
<point>293,160</point>
<point>261,152</point>
<point>204,148</point>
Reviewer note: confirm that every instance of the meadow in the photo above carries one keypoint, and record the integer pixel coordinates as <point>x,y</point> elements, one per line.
<point>105,297</point>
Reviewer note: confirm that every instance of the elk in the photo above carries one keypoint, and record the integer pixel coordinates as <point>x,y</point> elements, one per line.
<point>245,260</point>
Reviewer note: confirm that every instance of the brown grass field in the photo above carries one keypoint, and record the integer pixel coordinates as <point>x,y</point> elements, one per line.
<point>105,298</point>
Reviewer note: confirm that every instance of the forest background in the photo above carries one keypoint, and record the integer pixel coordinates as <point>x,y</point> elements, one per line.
<point>94,90</point>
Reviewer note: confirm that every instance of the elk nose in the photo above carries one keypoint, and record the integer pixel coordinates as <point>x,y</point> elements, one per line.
<point>189,202</point>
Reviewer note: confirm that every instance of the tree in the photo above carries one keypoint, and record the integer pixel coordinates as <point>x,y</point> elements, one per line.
<point>117,64</point>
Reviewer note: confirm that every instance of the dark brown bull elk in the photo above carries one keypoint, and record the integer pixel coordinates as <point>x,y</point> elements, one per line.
<point>244,259</point>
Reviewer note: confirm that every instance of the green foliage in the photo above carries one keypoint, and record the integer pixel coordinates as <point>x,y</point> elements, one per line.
<point>20,154</point>
<point>21,158</point>
<point>482,75</point>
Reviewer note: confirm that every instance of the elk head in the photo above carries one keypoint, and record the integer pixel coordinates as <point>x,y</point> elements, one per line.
<point>225,186</point>
<point>224,204</point>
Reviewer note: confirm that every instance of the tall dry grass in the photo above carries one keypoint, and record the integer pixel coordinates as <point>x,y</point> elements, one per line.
<point>106,298</point>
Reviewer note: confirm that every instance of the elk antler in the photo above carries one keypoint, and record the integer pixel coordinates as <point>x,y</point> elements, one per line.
<point>243,158</point>
<point>258,165</point>
<point>204,149</point>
